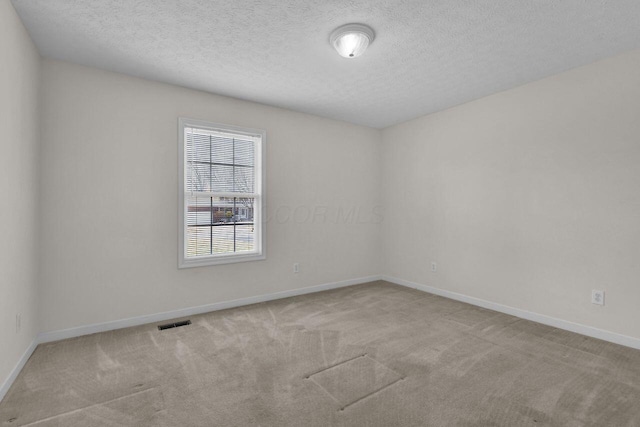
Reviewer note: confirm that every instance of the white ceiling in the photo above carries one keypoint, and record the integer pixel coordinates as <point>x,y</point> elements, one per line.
<point>428,55</point>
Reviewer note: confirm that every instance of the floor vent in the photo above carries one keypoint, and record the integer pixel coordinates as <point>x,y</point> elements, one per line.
<point>173,325</point>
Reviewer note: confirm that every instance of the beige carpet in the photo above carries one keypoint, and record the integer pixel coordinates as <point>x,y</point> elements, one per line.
<point>367,355</point>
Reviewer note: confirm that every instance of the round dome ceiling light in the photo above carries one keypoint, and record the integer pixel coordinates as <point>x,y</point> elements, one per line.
<point>351,40</point>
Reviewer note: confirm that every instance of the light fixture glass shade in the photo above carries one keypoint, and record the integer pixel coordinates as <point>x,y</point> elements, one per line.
<point>351,40</point>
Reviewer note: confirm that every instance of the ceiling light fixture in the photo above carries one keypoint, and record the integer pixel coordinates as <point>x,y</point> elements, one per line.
<point>351,40</point>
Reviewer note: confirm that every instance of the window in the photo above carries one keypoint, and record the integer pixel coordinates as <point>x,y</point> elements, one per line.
<point>221,194</point>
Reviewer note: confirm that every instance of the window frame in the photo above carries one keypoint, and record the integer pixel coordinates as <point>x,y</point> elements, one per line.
<point>259,194</point>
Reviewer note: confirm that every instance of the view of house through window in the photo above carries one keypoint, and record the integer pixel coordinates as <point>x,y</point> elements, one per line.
<point>219,225</point>
<point>222,190</point>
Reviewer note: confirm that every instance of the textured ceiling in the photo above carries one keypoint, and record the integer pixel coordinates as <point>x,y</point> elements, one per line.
<point>427,55</point>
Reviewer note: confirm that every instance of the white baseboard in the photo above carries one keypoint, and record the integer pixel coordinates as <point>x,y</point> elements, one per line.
<point>191,311</point>
<point>16,370</point>
<point>524,314</point>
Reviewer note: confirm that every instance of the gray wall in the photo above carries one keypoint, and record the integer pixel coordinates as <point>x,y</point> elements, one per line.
<point>19,142</point>
<point>528,198</point>
<point>110,199</point>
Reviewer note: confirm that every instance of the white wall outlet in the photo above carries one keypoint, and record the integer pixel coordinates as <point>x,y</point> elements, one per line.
<point>18,323</point>
<point>296,268</point>
<point>597,297</point>
<point>434,267</point>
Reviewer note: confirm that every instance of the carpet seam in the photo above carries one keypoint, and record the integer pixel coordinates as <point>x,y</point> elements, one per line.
<point>372,393</point>
<point>335,365</point>
<point>326,391</point>
<point>87,407</point>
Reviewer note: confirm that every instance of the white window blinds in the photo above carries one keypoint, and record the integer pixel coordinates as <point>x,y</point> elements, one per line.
<point>222,190</point>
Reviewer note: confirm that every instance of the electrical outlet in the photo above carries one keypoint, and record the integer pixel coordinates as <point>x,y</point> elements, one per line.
<point>434,267</point>
<point>597,297</point>
<point>296,268</point>
<point>18,323</point>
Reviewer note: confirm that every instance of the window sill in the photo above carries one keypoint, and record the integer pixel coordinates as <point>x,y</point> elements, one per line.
<point>219,260</point>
